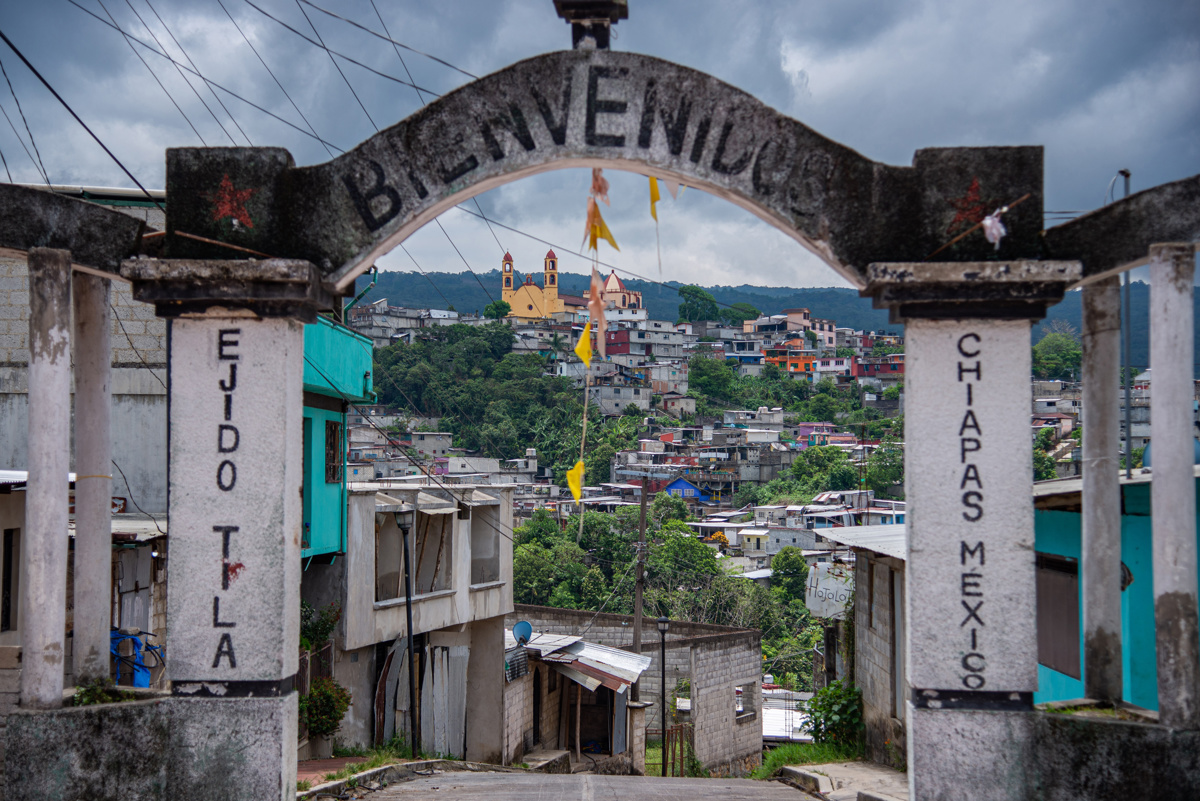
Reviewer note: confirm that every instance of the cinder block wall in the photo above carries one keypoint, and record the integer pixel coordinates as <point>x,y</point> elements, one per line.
<point>874,662</point>
<point>518,717</point>
<point>727,741</point>
<point>729,657</point>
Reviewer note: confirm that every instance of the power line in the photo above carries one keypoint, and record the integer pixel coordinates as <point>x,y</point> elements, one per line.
<point>420,97</point>
<point>19,139</point>
<point>388,38</point>
<point>154,75</point>
<point>262,61</point>
<point>208,81</point>
<point>337,66</point>
<point>6,170</point>
<point>216,97</point>
<point>71,111</point>
<point>39,165</point>
<point>366,67</point>
<point>178,70</point>
<point>427,278</point>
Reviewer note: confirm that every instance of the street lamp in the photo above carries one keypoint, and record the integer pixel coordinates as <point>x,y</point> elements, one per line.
<point>404,522</point>
<point>663,625</point>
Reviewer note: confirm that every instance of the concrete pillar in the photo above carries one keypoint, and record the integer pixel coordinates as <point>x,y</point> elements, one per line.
<point>93,478</point>
<point>236,364</point>
<point>44,546</point>
<point>1173,488</point>
<point>971,592</point>
<point>1101,562</point>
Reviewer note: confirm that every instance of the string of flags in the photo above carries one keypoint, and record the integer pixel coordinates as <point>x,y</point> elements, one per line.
<point>595,230</point>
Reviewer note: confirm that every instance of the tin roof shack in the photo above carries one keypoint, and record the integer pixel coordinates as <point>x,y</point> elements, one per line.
<point>460,541</point>
<point>708,664</point>
<point>542,711</point>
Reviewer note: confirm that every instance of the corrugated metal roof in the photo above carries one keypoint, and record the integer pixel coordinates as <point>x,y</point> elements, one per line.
<point>888,540</point>
<point>589,664</point>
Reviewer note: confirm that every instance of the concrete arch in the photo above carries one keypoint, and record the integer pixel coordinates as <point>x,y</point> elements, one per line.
<point>599,108</point>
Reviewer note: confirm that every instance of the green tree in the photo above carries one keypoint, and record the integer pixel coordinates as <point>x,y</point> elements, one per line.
<point>845,353</point>
<point>497,309</point>
<point>697,304</point>
<point>885,467</point>
<point>1057,356</point>
<point>534,576</point>
<point>541,529</point>
<point>892,393</point>
<point>739,313</point>
<point>1043,466</point>
<point>789,574</point>
<point>666,506</point>
<point>713,377</point>
<point>886,350</point>
<point>811,336</point>
<point>825,468</point>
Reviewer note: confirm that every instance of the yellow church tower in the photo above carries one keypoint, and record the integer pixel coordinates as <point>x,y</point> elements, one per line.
<point>507,289</point>
<point>550,283</point>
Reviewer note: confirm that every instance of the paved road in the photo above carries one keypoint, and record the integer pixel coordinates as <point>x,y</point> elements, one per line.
<point>461,786</point>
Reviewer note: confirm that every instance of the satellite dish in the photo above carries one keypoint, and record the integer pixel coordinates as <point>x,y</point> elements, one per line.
<point>522,632</point>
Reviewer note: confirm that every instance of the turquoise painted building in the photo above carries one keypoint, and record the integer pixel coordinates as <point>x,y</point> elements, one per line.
<point>337,372</point>
<point>1057,527</point>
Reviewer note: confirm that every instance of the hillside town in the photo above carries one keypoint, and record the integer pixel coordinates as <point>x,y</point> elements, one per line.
<point>274,530</point>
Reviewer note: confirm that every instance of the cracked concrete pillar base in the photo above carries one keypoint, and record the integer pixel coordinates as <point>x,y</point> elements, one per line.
<point>956,754</point>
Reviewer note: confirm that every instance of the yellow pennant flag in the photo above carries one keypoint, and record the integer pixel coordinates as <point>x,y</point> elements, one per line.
<point>601,230</point>
<point>583,349</point>
<point>575,480</point>
<point>654,197</point>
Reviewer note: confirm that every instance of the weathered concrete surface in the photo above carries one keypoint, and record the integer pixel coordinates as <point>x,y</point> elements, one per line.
<point>93,482</point>
<point>1018,289</point>
<point>42,612</point>
<point>1100,566</point>
<point>610,109</point>
<point>959,754</point>
<point>1172,493</point>
<point>169,749</point>
<point>269,288</point>
<point>843,781</point>
<point>1123,231</point>
<point>970,570</point>
<point>236,462</point>
<point>523,786</point>
<point>96,237</point>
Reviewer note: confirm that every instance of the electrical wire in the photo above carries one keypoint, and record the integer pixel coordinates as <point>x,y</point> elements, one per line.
<point>6,170</point>
<point>154,75</point>
<point>337,66</point>
<point>178,70</point>
<point>22,141</point>
<point>71,111</point>
<point>353,61</point>
<point>38,165</point>
<point>388,38</point>
<point>210,82</point>
<point>215,96</point>
<point>270,72</point>
<point>134,347</point>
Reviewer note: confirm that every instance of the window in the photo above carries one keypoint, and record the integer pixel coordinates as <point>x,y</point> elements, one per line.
<point>485,545</point>
<point>333,452</point>
<point>1058,613</point>
<point>746,700</point>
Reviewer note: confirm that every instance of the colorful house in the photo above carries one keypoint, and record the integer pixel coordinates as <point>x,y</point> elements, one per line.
<point>337,372</point>
<point>685,489</point>
<point>792,358</point>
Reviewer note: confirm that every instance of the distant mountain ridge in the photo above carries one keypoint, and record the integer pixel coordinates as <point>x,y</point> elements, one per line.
<point>843,305</point>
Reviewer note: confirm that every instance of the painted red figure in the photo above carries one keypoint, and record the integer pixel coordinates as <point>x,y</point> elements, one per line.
<point>230,202</point>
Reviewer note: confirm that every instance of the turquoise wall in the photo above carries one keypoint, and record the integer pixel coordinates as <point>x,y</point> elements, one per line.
<point>1059,533</point>
<point>324,503</point>
<point>337,364</point>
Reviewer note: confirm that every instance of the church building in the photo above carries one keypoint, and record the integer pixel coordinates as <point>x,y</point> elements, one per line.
<point>615,295</point>
<point>532,302</point>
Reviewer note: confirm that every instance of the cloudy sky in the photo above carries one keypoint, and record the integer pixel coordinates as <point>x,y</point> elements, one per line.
<point>1103,84</point>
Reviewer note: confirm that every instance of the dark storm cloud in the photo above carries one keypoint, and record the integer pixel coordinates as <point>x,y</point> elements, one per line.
<point>1103,84</point>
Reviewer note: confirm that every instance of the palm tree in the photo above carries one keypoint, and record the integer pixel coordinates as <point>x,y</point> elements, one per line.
<point>557,345</point>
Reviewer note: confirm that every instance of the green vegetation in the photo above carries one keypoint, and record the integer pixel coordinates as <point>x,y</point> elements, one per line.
<point>497,310</point>
<point>697,305</point>
<point>835,716</point>
<point>1043,462</point>
<point>738,313</point>
<point>100,691</point>
<point>316,627</point>
<point>1057,356</point>
<point>684,579</point>
<point>303,785</point>
<point>324,706</point>
<point>802,754</point>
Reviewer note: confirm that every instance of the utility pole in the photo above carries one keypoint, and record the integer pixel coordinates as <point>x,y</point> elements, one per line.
<point>635,694</point>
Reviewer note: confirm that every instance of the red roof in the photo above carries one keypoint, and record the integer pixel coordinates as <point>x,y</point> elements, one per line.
<point>550,254</point>
<point>507,256</point>
<point>620,283</point>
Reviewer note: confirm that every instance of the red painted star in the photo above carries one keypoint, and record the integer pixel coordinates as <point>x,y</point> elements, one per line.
<point>970,208</point>
<point>230,202</point>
